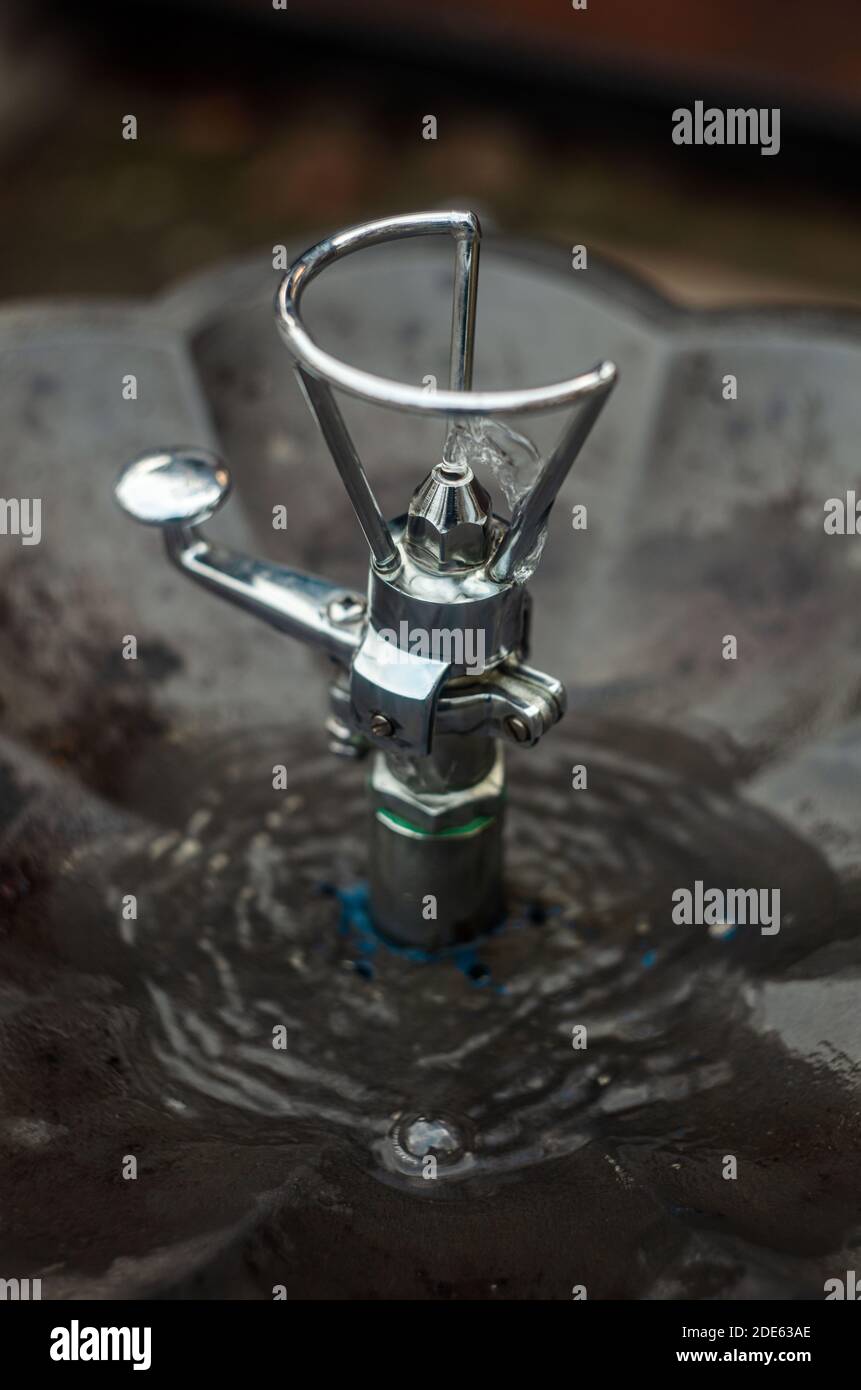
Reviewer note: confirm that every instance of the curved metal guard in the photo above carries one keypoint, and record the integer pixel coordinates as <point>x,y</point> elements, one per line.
<point>459,400</point>
<point>319,371</point>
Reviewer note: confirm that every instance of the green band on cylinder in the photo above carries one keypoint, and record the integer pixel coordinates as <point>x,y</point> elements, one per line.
<point>450,832</point>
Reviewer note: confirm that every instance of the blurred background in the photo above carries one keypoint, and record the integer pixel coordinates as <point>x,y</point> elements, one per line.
<point>260,125</point>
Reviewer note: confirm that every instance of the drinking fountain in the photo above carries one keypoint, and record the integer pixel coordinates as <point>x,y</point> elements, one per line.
<point>448,576</point>
<point>265,1024</point>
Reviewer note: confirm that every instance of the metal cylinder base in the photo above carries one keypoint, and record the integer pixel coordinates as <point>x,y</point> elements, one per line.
<point>433,891</point>
<point>436,855</point>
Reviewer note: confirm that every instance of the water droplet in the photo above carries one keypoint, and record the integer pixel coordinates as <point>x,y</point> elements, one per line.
<point>417,1136</point>
<point>425,1135</point>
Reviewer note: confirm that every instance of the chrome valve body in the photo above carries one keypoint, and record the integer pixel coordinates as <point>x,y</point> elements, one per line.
<point>431,670</point>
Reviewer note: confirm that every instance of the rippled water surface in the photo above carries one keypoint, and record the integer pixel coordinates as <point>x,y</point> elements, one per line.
<point>248,1023</point>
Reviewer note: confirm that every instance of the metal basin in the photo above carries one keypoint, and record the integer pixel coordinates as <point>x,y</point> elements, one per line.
<point>188,976</point>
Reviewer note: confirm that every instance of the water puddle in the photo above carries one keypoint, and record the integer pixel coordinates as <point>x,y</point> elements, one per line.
<point>252,1002</point>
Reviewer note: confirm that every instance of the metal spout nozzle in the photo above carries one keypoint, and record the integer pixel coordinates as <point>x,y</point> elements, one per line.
<point>449,523</point>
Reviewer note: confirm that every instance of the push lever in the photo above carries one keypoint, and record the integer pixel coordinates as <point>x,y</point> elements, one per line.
<point>180,489</point>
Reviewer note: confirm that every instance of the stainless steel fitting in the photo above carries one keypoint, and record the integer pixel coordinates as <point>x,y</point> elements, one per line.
<point>431,666</point>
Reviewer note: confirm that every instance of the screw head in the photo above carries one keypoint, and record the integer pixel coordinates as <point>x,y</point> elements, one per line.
<point>381,727</point>
<point>517,728</point>
<point>345,609</point>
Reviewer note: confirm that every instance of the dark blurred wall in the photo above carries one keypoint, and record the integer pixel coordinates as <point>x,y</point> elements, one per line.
<point>259,126</point>
<point>802,51</point>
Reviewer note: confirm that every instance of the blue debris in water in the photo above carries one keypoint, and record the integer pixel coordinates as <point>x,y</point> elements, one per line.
<point>648,959</point>
<point>355,917</point>
<point>356,923</point>
<point>722,931</point>
<point>468,963</point>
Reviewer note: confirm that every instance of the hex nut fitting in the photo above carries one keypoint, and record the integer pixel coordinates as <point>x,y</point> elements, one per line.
<point>449,523</point>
